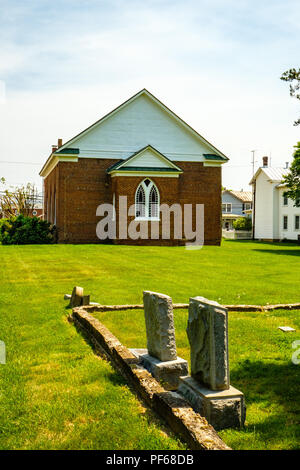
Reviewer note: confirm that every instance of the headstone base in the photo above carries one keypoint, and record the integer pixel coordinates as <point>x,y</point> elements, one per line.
<point>222,409</point>
<point>165,372</point>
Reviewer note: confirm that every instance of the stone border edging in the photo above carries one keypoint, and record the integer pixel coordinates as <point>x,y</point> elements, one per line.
<point>176,411</point>
<point>232,308</point>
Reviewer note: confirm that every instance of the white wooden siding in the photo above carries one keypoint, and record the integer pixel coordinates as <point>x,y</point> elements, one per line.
<point>147,158</point>
<point>263,208</point>
<point>269,211</point>
<point>291,233</point>
<point>138,124</point>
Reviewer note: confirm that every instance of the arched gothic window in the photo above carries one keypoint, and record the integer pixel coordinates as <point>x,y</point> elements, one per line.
<point>147,200</point>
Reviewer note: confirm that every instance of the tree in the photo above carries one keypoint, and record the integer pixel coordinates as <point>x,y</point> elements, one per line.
<point>243,223</point>
<point>23,230</point>
<point>20,201</point>
<point>292,179</point>
<point>293,76</point>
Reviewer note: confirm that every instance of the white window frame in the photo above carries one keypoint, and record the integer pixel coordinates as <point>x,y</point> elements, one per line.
<point>287,222</point>
<point>285,201</point>
<point>296,215</point>
<point>147,192</point>
<point>226,204</point>
<point>248,206</point>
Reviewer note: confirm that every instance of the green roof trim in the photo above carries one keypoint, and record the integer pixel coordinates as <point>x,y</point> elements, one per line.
<point>211,156</point>
<point>114,166</point>
<point>68,151</point>
<point>120,163</point>
<point>143,168</point>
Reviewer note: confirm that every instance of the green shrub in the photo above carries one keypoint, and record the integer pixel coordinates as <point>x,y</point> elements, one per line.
<point>23,230</point>
<point>243,223</point>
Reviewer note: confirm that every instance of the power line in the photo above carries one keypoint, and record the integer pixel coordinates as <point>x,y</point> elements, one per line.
<point>21,163</point>
<point>253,160</point>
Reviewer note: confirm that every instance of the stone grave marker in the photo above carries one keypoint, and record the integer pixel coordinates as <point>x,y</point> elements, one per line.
<point>208,388</point>
<point>160,357</point>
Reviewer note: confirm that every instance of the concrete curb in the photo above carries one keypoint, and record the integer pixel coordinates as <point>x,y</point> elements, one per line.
<point>190,426</point>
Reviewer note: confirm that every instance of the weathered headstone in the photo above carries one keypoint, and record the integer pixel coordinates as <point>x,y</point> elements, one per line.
<point>77,294</point>
<point>77,297</point>
<point>208,388</point>
<point>161,358</point>
<point>158,310</point>
<point>208,337</point>
<point>85,300</point>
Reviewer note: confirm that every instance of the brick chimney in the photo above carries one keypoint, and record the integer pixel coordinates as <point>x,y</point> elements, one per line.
<point>265,161</point>
<point>54,148</point>
<point>59,143</point>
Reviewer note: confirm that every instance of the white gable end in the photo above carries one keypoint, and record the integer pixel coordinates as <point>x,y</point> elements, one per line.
<point>147,158</point>
<point>139,123</point>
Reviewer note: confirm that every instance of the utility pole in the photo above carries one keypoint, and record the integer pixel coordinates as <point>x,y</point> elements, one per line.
<point>253,161</point>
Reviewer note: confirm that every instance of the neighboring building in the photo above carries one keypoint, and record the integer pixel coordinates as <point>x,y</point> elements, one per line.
<point>36,212</point>
<point>143,151</point>
<point>274,215</point>
<point>235,204</point>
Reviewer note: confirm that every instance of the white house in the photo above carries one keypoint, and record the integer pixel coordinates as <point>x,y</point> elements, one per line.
<point>274,215</point>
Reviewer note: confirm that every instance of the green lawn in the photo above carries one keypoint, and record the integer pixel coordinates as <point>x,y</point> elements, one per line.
<point>55,393</point>
<point>260,366</point>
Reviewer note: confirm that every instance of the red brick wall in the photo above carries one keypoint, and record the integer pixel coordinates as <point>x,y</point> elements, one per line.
<point>51,195</point>
<point>80,187</point>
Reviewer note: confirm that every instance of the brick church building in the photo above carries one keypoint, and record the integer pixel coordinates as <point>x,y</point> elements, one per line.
<point>141,150</point>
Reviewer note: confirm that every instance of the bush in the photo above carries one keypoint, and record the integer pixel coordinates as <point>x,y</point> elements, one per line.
<point>23,230</point>
<point>243,223</point>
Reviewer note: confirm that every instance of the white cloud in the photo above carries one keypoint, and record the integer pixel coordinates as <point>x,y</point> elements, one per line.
<point>215,63</point>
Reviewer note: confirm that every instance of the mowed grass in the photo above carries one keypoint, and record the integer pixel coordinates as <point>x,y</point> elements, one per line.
<point>55,393</point>
<point>260,366</point>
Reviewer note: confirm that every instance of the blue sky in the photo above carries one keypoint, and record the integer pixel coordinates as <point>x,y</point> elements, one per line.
<point>216,63</point>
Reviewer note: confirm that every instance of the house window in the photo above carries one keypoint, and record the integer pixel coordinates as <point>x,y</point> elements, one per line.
<point>297,222</point>
<point>285,200</point>
<point>285,222</point>
<point>227,207</point>
<point>247,206</point>
<point>147,201</point>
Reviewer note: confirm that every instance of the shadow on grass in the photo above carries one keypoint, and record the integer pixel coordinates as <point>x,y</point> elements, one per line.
<point>278,383</point>
<point>266,243</point>
<point>272,391</point>
<point>281,252</point>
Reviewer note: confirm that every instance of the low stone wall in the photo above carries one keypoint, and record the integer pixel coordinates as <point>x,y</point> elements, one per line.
<point>190,426</point>
<point>231,308</point>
